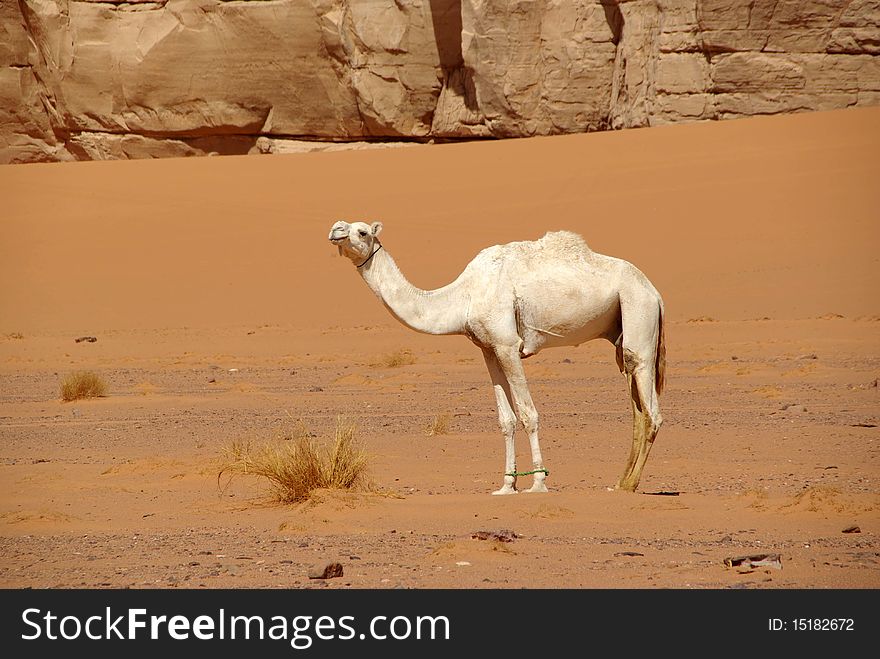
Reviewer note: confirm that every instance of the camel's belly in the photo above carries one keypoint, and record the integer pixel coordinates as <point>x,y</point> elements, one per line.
<point>575,317</point>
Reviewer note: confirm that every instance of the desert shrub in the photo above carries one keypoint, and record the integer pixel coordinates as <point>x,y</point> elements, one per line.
<point>439,425</point>
<point>82,384</point>
<point>298,466</point>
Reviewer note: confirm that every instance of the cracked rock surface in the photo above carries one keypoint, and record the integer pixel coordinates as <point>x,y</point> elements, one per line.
<point>83,79</point>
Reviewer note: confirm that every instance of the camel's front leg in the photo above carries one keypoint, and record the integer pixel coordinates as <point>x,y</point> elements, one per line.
<point>506,419</point>
<point>511,365</point>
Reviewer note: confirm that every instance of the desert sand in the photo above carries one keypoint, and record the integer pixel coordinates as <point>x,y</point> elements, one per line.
<point>221,312</point>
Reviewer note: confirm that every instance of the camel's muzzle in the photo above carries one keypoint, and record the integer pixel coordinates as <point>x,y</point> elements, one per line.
<point>339,231</point>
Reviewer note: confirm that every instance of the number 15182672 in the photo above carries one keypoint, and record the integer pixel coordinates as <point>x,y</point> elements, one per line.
<point>811,625</point>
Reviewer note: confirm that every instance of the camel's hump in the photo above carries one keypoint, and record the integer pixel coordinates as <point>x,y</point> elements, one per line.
<point>565,242</point>
<point>555,246</point>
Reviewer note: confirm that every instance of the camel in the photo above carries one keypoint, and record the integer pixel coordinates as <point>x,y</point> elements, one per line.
<point>516,299</point>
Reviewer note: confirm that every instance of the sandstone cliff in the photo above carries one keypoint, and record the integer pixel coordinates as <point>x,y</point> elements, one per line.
<point>91,79</point>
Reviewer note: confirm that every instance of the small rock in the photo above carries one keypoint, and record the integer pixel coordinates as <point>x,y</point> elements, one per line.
<point>566,361</point>
<point>212,380</point>
<point>88,339</point>
<point>852,529</point>
<point>754,561</point>
<point>326,570</point>
<point>315,389</point>
<point>504,535</point>
<point>811,355</point>
<point>627,553</point>
<point>233,370</point>
<point>462,563</point>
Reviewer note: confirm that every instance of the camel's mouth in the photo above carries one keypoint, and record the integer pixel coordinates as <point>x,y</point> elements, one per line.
<point>337,235</point>
<point>339,232</point>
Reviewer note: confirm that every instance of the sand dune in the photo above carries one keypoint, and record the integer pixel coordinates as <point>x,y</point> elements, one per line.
<point>778,213</point>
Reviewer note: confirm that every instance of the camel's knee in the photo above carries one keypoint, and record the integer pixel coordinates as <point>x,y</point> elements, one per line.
<point>507,421</point>
<point>529,418</point>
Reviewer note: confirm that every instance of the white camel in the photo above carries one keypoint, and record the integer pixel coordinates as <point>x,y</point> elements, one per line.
<point>514,300</point>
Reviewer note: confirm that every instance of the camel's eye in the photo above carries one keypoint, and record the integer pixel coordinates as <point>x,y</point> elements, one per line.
<point>363,233</point>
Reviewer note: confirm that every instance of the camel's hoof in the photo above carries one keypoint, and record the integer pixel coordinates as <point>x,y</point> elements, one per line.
<point>505,490</point>
<point>537,488</point>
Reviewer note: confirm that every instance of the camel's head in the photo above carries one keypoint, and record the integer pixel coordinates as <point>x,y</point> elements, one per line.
<point>357,240</point>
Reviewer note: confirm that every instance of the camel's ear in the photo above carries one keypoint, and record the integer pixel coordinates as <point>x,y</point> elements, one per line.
<point>376,228</point>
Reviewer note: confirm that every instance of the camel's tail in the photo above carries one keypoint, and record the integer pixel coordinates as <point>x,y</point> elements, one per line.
<point>660,362</point>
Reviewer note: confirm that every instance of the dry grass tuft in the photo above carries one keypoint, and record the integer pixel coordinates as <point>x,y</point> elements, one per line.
<point>297,467</point>
<point>15,336</point>
<point>397,358</point>
<point>82,384</point>
<point>439,425</point>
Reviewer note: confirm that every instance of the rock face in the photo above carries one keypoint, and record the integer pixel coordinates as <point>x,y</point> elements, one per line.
<point>84,79</point>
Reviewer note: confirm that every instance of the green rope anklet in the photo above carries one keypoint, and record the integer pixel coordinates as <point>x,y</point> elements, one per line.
<point>529,473</point>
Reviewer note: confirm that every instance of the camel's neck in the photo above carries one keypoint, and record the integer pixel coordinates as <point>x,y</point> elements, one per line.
<point>441,311</point>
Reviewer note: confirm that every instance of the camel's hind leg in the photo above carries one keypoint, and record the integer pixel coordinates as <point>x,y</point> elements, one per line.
<point>646,421</point>
<point>638,364</point>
